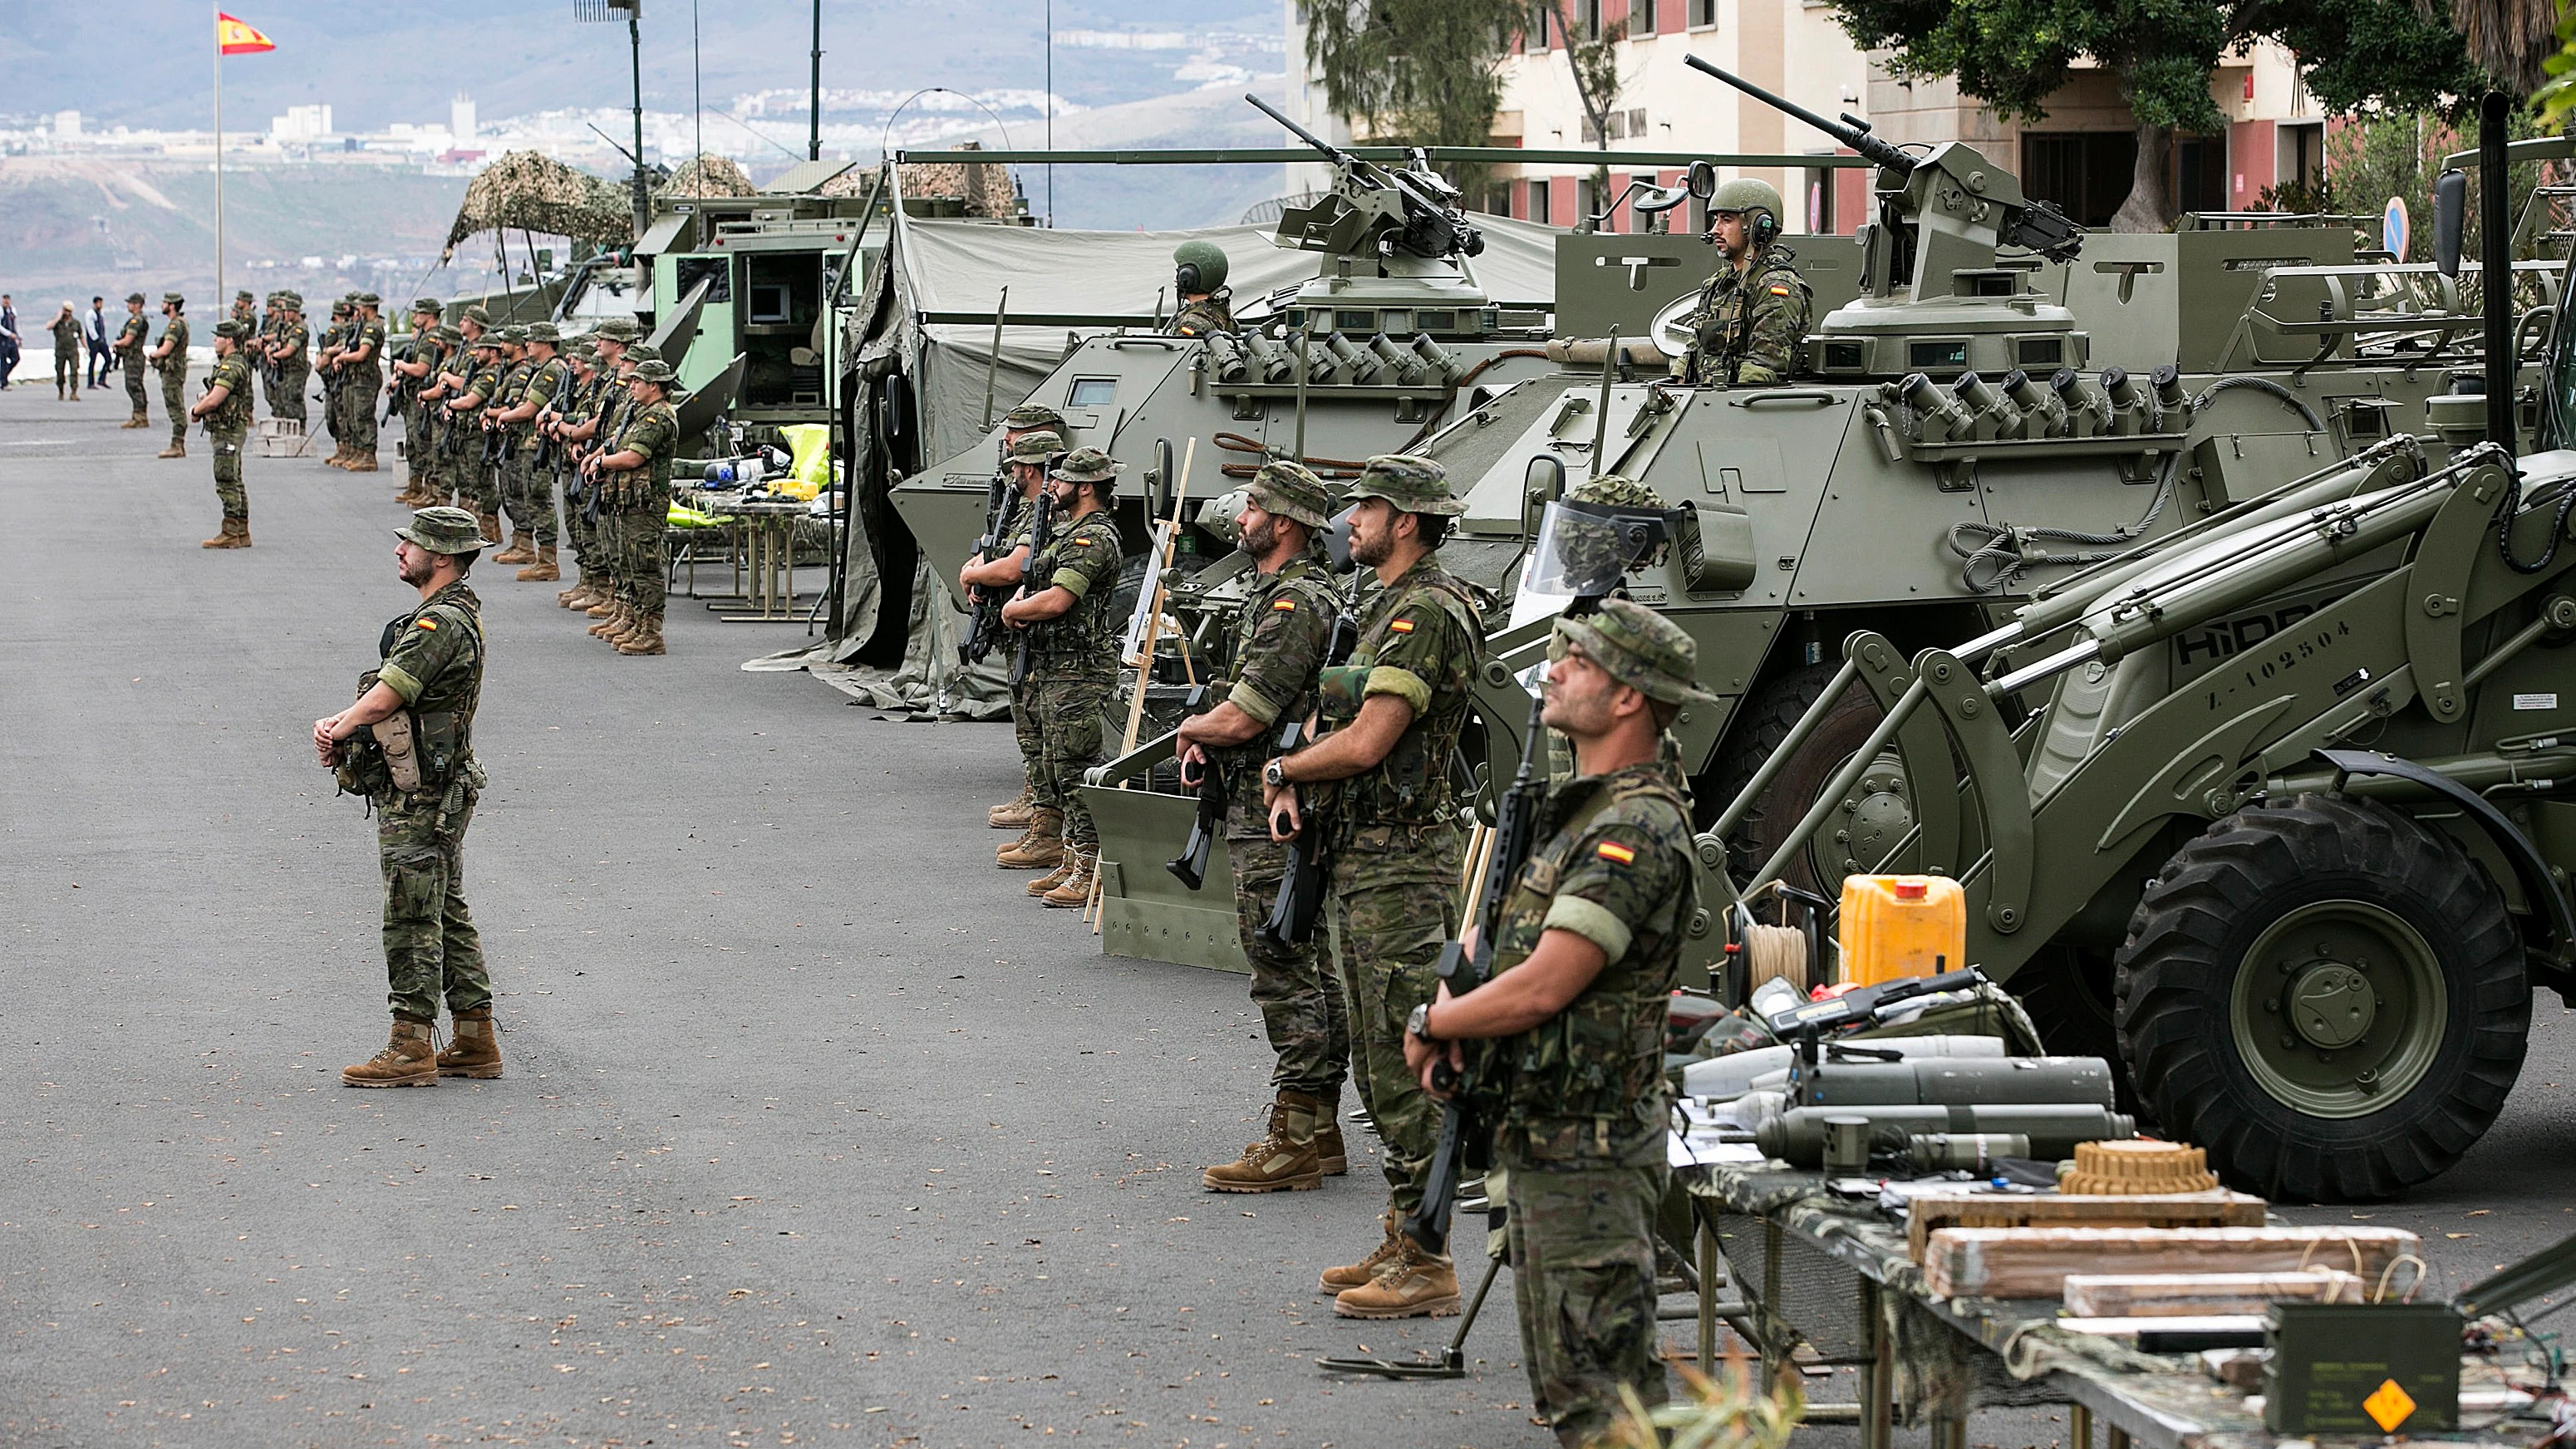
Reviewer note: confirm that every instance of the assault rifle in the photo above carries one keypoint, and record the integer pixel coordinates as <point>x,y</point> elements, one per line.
<point>986,610</point>
<point>1208,827</point>
<point>1464,1140</point>
<point>1038,522</point>
<point>1300,900</point>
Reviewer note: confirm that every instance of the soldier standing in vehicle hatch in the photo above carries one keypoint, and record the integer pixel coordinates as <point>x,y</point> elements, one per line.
<point>1751,321</point>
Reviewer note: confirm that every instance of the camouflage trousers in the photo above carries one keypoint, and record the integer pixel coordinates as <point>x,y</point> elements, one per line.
<point>641,531</point>
<point>228,473</point>
<point>1069,708</point>
<point>583,535</point>
<point>1392,912</point>
<point>1024,725</point>
<point>416,444</point>
<point>1302,1010</point>
<point>67,367</point>
<point>1582,1246</point>
<point>361,393</point>
<point>473,484</point>
<point>529,495</point>
<point>287,401</point>
<point>174,399</point>
<point>431,948</point>
<point>134,392</point>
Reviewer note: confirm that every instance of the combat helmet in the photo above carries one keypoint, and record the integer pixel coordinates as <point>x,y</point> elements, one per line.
<point>1198,267</point>
<point>1745,194</point>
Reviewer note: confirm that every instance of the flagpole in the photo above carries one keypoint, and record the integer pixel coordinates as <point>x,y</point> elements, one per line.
<point>218,303</point>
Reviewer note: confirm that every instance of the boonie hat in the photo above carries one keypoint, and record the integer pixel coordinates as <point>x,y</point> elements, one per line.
<point>430,305</point>
<point>543,332</point>
<point>1088,465</point>
<point>445,529</point>
<point>173,299</point>
<point>1291,490</point>
<point>653,370</point>
<point>477,315</point>
<point>1637,647</point>
<point>1042,446</point>
<point>228,328</point>
<point>135,297</point>
<point>1032,415</point>
<point>643,352</point>
<point>1413,485</point>
<point>369,299</point>
<point>619,329</point>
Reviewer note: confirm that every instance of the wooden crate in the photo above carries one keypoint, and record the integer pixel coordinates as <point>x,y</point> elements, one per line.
<point>2035,1262</point>
<point>1934,1211</point>
<point>2160,1295</point>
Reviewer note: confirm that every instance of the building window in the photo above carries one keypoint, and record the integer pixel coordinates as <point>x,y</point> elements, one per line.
<point>1641,18</point>
<point>2086,173</point>
<point>1588,17</point>
<point>1538,188</point>
<point>1703,14</point>
<point>2199,173</point>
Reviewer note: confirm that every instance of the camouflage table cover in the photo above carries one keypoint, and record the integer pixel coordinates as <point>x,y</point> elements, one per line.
<point>1954,1355</point>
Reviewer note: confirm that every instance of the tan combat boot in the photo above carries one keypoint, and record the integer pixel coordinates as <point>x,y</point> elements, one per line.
<point>1342,1280</point>
<point>1053,878</point>
<point>1040,847</point>
<point>623,627</point>
<point>235,534</point>
<point>610,614</point>
<point>489,524</point>
<point>140,419</point>
<point>647,638</point>
<point>339,456</point>
<point>1075,890</point>
<point>1014,814</point>
<point>1283,1161</point>
<point>605,606</point>
<point>475,1050</point>
<point>1329,1151</point>
<point>408,1060</point>
<point>519,551</point>
<point>565,598</point>
<point>178,449</point>
<point>543,571</point>
<point>362,462</point>
<point>1414,1283</point>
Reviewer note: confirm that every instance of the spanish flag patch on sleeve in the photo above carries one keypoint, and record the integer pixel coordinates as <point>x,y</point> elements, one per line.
<point>1615,853</point>
<point>1779,291</point>
<point>1285,606</point>
<point>430,624</point>
<point>1401,626</point>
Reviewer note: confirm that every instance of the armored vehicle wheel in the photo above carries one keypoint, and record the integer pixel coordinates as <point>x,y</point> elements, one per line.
<point>2326,995</point>
<point>1879,813</point>
<point>2068,993</point>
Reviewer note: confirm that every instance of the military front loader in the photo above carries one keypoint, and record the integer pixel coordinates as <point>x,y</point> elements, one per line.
<point>2293,786</point>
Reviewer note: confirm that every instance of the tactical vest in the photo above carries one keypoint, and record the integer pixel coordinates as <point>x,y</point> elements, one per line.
<point>1587,1083</point>
<point>443,715</point>
<point>1085,638</point>
<point>233,414</point>
<point>1410,788</point>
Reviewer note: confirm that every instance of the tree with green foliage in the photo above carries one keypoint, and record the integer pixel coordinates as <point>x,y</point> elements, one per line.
<point>1413,72</point>
<point>2015,54</point>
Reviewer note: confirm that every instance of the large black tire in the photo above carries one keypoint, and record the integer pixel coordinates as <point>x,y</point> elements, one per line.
<point>1768,714</point>
<point>2070,995</point>
<point>2256,1022</point>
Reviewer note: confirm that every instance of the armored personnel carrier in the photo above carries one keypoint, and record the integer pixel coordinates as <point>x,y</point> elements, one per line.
<point>2004,400</point>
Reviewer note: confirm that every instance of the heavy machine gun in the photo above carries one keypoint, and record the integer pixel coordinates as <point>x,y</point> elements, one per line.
<point>1374,209</point>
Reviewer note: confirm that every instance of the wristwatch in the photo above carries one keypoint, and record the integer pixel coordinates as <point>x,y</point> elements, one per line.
<point>1271,774</point>
<point>1419,1024</point>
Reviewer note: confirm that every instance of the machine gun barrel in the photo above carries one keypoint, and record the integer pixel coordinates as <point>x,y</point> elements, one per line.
<point>1857,137</point>
<point>1367,172</point>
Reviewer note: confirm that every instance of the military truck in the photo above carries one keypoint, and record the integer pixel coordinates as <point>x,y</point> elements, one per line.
<point>2005,399</point>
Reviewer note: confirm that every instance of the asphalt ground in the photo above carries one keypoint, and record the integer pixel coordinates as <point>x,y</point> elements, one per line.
<point>814,1130</point>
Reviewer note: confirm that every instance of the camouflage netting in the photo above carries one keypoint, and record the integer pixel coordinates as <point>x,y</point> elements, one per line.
<point>986,190</point>
<point>539,194</point>
<point>707,174</point>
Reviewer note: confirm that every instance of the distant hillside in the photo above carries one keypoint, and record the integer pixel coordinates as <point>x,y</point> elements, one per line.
<point>158,230</point>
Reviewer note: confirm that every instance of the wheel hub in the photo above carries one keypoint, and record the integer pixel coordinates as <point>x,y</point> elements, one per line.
<point>2332,1005</point>
<point>1868,822</point>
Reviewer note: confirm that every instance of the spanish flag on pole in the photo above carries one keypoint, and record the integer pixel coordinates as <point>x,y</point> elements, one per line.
<point>232,37</point>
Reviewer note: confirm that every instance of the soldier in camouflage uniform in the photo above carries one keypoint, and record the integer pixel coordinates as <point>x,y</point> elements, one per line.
<point>66,328</point>
<point>129,356</point>
<point>290,350</point>
<point>1569,1032</point>
<point>612,610</point>
<point>362,378</point>
<point>1198,281</point>
<point>528,492</point>
<point>412,376</point>
<point>407,745</point>
<point>1015,813</point>
<point>468,476</point>
<point>1073,651</point>
<point>327,347</point>
<point>1027,453</point>
<point>246,312</point>
<point>1751,322</point>
<point>636,481</point>
<point>581,434</point>
<point>226,409</point>
<point>1282,641</point>
<point>169,357</point>
<point>1395,712</point>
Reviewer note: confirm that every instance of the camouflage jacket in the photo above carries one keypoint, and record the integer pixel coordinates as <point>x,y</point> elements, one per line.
<point>1614,865</point>
<point>67,332</point>
<point>130,339</point>
<point>232,415</point>
<point>654,432</point>
<point>433,658</point>
<point>545,383</point>
<point>1214,313</point>
<point>293,341</point>
<point>1420,641</point>
<point>176,360</point>
<point>1280,640</point>
<point>1749,326</point>
<point>1083,559</point>
<point>371,336</point>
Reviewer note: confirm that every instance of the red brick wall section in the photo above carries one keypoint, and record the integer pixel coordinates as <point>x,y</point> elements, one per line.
<point>2253,158</point>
